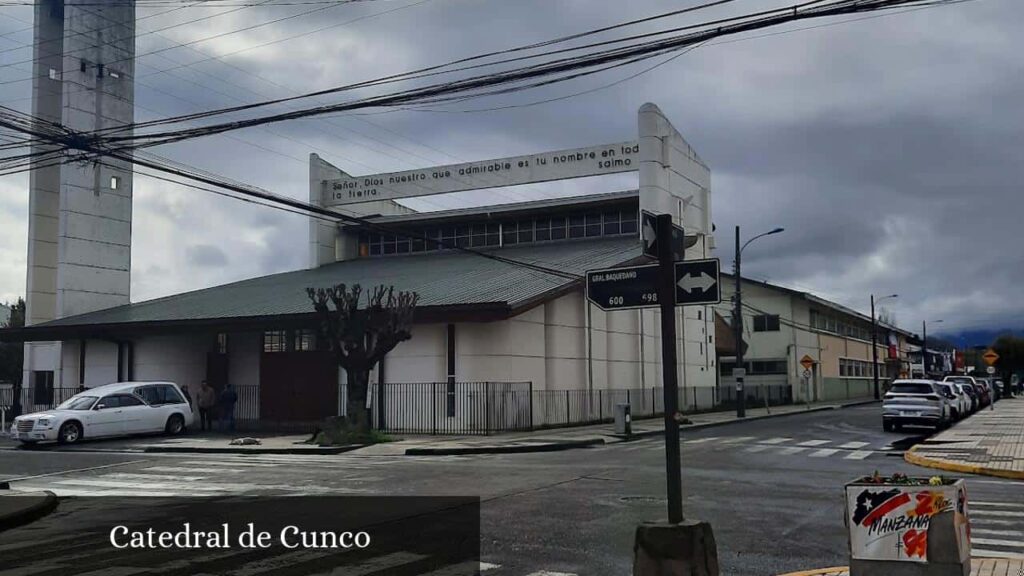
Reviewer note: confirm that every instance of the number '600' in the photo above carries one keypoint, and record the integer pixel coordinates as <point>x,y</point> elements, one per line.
<point>616,301</point>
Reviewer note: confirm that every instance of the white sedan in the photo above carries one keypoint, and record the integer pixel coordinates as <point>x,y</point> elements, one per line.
<point>112,410</point>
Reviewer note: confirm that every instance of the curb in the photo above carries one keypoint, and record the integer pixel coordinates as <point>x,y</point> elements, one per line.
<point>30,514</point>
<point>318,451</point>
<point>913,457</point>
<point>511,449</point>
<point>685,427</point>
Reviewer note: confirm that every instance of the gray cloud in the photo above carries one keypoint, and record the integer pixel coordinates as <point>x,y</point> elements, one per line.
<point>887,147</point>
<point>205,256</point>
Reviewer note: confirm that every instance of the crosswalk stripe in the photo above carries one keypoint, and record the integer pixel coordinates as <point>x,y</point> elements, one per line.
<point>978,553</point>
<point>468,568</point>
<point>198,487</point>
<point>190,470</point>
<point>275,563</point>
<point>858,455</point>
<point>813,443</point>
<point>737,439</point>
<point>132,476</point>
<point>758,448</point>
<point>1003,513</point>
<point>776,440</point>
<point>229,463</point>
<point>991,532</point>
<point>791,450</point>
<point>374,564</point>
<point>823,453</point>
<point>547,573</point>
<point>60,491</point>
<point>990,521</point>
<point>702,440</point>
<point>998,542</point>
<point>853,445</point>
<point>997,504</point>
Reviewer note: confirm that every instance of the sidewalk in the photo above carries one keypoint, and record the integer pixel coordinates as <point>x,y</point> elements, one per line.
<point>979,567</point>
<point>991,442</point>
<point>579,436</point>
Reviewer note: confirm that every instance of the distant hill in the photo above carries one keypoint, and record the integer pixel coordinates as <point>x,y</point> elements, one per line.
<point>978,337</point>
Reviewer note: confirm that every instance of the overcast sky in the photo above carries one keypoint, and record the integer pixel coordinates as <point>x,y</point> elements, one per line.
<point>890,148</point>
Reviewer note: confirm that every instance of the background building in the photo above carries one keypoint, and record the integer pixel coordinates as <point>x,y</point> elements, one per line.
<point>781,326</point>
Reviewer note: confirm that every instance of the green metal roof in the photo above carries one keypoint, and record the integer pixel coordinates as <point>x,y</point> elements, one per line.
<point>441,279</point>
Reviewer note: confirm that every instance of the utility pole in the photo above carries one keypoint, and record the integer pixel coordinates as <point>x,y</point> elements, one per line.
<point>667,303</point>
<point>924,347</point>
<point>737,325</point>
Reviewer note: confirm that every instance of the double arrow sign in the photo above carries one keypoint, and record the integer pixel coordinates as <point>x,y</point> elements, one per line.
<point>637,286</point>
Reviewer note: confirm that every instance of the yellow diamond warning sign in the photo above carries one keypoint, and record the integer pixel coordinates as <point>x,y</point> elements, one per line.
<point>807,362</point>
<point>990,357</point>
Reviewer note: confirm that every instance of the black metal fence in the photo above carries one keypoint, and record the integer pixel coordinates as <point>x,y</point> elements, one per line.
<point>35,399</point>
<point>756,396</point>
<point>453,407</point>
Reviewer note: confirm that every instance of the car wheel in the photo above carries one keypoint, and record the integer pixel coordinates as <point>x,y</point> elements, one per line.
<point>70,432</point>
<point>175,425</point>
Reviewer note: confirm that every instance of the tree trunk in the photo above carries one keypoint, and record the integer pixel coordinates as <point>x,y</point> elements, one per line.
<point>356,411</point>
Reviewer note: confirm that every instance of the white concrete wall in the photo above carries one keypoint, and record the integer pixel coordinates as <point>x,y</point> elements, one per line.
<point>421,359</point>
<point>180,359</point>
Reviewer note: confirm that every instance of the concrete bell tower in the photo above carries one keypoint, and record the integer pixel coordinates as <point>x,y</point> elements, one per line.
<point>80,213</point>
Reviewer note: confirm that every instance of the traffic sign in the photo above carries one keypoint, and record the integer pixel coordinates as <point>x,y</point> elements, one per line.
<point>991,369</point>
<point>648,231</point>
<point>623,288</point>
<point>990,357</point>
<point>807,362</point>
<point>697,282</point>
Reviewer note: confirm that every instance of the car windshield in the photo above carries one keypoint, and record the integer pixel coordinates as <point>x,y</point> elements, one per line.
<point>78,403</point>
<point>963,380</point>
<point>911,388</point>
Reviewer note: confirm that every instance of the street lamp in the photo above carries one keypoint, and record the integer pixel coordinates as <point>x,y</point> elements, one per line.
<point>924,343</point>
<point>874,340</point>
<point>737,319</point>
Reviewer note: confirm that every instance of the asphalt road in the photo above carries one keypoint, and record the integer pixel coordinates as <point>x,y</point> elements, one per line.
<point>772,490</point>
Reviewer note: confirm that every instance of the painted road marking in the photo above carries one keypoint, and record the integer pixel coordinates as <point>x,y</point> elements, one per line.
<point>814,443</point>
<point>130,476</point>
<point>991,532</point>
<point>776,440</point>
<point>192,469</point>
<point>995,554</point>
<point>999,513</point>
<point>470,568</point>
<point>823,453</point>
<point>999,504</point>
<point>791,450</point>
<point>858,455</point>
<point>702,440</point>
<point>758,448</point>
<point>998,542</point>
<point>853,445</point>
<point>61,491</point>
<point>547,573</point>
<point>203,487</point>
<point>737,439</point>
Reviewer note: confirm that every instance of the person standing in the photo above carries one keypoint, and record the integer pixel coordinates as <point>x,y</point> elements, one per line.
<point>228,399</point>
<point>207,402</point>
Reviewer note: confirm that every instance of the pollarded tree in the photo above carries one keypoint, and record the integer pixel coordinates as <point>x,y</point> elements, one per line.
<point>361,337</point>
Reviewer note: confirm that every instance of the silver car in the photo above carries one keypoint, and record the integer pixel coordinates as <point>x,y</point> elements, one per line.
<point>914,403</point>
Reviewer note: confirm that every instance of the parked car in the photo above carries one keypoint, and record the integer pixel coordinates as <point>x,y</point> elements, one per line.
<point>959,404</point>
<point>914,402</point>
<point>116,409</point>
<point>971,386</point>
<point>971,395</point>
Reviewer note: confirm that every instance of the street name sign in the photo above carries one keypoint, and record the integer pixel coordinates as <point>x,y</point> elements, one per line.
<point>623,288</point>
<point>990,357</point>
<point>697,282</point>
<point>807,362</point>
<point>648,232</point>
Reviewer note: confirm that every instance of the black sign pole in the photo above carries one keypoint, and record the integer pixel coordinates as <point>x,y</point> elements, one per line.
<point>667,300</point>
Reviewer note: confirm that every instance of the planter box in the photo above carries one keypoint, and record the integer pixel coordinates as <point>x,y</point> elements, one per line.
<point>908,530</point>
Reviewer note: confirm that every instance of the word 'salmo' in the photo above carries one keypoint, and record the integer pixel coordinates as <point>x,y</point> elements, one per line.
<point>290,537</point>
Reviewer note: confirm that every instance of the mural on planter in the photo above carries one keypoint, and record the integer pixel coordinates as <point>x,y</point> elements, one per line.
<point>891,522</point>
